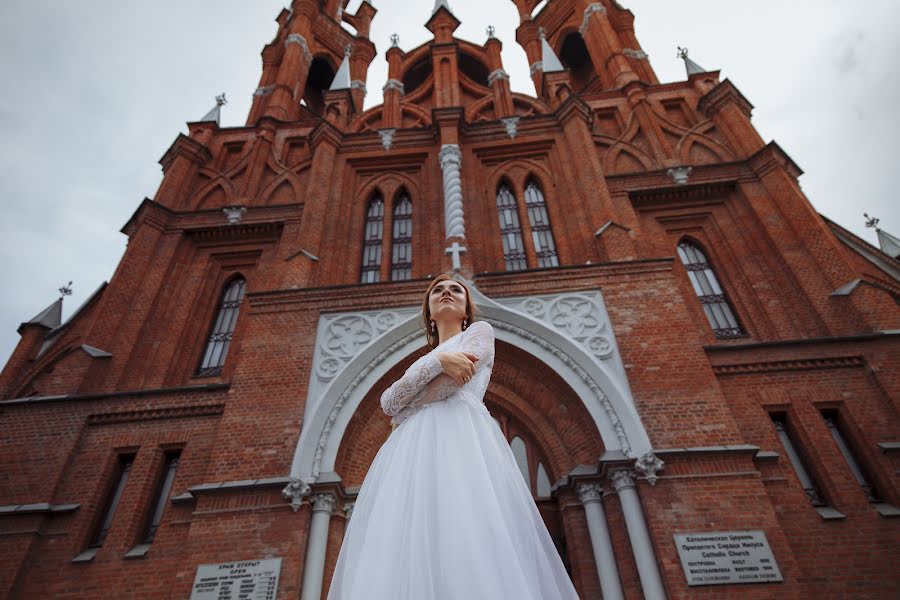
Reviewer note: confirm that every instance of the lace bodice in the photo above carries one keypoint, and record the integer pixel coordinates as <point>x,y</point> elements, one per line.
<point>425,383</point>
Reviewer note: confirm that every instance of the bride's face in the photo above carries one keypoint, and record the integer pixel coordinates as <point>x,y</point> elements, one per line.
<point>447,301</point>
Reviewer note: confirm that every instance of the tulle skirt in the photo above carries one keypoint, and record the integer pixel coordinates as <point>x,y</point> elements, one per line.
<point>445,514</point>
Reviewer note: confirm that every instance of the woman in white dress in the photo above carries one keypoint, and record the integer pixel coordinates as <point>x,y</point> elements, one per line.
<point>443,512</point>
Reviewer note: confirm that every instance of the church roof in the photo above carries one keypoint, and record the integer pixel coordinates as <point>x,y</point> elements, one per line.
<point>213,115</point>
<point>549,60</point>
<point>690,66</point>
<point>341,79</point>
<point>876,256</point>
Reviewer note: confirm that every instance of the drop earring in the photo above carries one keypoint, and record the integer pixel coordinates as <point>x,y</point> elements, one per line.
<point>465,324</point>
<point>433,327</point>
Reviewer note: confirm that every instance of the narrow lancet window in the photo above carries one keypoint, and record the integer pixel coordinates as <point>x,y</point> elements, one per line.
<point>401,244</point>
<point>541,233</point>
<point>164,489</point>
<point>859,473</point>
<point>112,501</point>
<point>222,329</point>
<point>510,230</point>
<point>371,260</point>
<point>803,473</point>
<point>706,286</point>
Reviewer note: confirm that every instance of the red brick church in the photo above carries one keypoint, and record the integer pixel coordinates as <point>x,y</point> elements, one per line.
<point>697,373</point>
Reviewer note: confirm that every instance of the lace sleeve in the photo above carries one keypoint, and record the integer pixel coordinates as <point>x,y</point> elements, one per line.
<point>478,340</point>
<point>408,388</point>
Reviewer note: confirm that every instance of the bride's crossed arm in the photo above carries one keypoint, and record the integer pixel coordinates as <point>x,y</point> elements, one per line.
<point>426,381</point>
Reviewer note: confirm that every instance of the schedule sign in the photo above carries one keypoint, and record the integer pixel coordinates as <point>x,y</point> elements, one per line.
<point>716,558</point>
<point>243,580</point>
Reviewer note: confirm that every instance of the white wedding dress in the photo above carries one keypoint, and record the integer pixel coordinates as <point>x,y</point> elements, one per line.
<point>443,512</point>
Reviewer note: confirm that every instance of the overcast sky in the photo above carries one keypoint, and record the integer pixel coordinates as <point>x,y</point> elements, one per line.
<point>93,93</point>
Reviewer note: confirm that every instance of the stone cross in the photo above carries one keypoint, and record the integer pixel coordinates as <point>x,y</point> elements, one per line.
<point>455,250</point>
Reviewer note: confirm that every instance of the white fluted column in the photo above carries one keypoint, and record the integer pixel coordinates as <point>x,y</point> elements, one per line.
<point>314,569</point>
<point>591,496</point>
<point>451,159</point>
<point>648,570</point>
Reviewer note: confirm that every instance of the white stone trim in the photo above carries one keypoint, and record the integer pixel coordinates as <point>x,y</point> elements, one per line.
<point>512,126</point>
<point>394,84</point>
<point>296,38</point>
<point>497,75</point>
<point>454,219</point>
<point>353,351</point>
<point>592,8</point>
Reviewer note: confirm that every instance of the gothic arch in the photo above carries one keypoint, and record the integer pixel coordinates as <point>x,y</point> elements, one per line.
<point>380,340</point>
<point>529,168</point>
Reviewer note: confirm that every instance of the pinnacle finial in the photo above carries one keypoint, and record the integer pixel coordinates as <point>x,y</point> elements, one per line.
<point>395,40</point>
<point>213,115</point>
<point>348,50</point>
<point>490,31</point>
<point>439,3</point>
<point>541,33</point>
<point>66,290</point>
<point>871,222</point>
<point>691,67</point>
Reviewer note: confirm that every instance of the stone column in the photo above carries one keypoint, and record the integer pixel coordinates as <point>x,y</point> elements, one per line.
<point>591,496</point>
<point>454,224</point>
<point>648,570</point>
<point>314,569</point>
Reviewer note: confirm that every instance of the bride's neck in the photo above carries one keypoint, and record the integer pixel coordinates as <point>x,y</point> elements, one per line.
<point>448,330</point>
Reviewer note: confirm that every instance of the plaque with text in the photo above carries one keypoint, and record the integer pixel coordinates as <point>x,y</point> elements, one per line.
<point>242,580</point>
<point>716,558</point>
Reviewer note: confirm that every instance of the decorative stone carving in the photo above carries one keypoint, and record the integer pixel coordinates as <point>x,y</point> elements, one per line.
<point>497,75</point>
<point>323,503</point>
<point>535,67</point>
<point>592,8</point>
<point>575,315</point>
<point>638,54</point>
<point>394,84</point>
<point>512,126</point>
<point>649,465</point>
<point>347,335</point>
<point>264,90</point>
<point>387,137</point>
<point>234,214</point>
<point>295,491</point>
<point>348,509</point>
<point>358,84</point>
<point>622,480</point>
<point>451,158</point>
<point>589,492</point>
<point>296,38</point>
<point>680,175</point>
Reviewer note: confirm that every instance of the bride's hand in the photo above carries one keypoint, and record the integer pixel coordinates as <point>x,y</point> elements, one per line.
<point>460,366</point>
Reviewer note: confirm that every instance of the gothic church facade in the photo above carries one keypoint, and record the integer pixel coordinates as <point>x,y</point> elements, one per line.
<point>685,347</point>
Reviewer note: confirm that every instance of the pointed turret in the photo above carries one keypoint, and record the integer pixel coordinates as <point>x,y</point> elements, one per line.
<point>50,317</point>
<point>438,4</point>
<point>890,245</point>
<point>213,115</point>
<point>549,61</point>
<point>690,66</point>
<point>341,80</point>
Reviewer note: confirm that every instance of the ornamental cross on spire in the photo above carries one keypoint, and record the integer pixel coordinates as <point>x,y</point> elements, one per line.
<point>490,32</point>
<point>220,99</point>
<point>455,249</point>
<point>871,221</point>
<point>66,290</point>
<point>395,40</point>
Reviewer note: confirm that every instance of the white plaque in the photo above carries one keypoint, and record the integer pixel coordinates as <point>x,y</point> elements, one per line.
<point>723,557</point>
<point>242,580</point>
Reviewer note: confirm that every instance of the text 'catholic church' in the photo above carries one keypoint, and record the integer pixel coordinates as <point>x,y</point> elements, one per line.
<point>697,372</point>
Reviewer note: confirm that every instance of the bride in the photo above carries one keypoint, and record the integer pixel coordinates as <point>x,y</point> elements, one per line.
<point>443,512</point>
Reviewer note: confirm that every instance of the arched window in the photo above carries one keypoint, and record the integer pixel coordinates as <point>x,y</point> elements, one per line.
<point>401,244</point>
<point>222,329</point>
<point>371,260</point>
<point>540,226</point>
<point>706,285</point>
<point>510,230</point>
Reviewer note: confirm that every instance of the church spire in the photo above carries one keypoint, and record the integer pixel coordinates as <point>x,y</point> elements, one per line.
<point>890,244</point>
<point>690,66</point>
